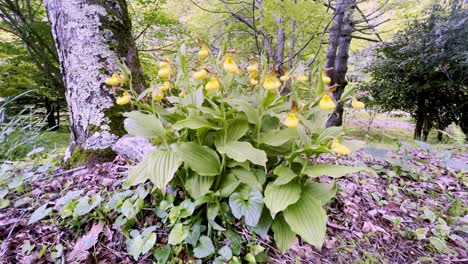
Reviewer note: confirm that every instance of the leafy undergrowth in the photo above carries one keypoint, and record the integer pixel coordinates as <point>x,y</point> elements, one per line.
<point>415,210</point>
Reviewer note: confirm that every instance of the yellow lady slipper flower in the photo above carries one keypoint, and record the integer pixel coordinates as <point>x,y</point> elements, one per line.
<point>357,104</point>
<point>285,78</point>
<point>327,103</point>
<point>271,83</point>
<point>200,75</point>
<point>158,95</point>
<point>124,99</point>
<point>230,65</point>
<point>302,78</point>
<point>165,87</point>
<point>339,148</point>
<point>253,82</point>
<point>253,69</point>
<point>165,73</point>
<point>114,80</point>
<point>203,52</point>
<point>291,121</point>
<point>212,85</point>
<point>325,79</point>
<point>164,64</point>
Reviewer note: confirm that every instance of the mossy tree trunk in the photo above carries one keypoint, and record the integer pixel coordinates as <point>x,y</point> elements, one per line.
<point>91,36</point>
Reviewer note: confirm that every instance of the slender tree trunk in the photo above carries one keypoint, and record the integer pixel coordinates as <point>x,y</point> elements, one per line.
<point>91,37</point>
<point>341,60</point>
<point>419,119</point>
<point>50,114</point>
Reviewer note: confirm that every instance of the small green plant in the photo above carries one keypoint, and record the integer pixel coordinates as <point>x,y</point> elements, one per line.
<point>235,155</point>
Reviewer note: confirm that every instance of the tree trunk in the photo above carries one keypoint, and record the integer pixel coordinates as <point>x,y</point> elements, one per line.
<point>50,114</point>
<point>91,37</point>
<point>340,57</point>
<point>419,119</point>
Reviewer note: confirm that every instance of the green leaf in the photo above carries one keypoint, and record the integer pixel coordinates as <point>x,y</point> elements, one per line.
<point>162,254</point>
<point>225,252</point>
<point>308,219</point>
<point>278,198</point>
<point>283,235</point>
<point>145,125</point>
<point>86,205</point>
<point>332,170</point>
<point>201,159</point>
<point>329,134</point>
<point>279,137</point>
<point>134,246</point>
<point>130,209</point>
<point>321,191</point>
<point>420,233</point>
<point>439,245</point>
<point>229,184</point>
<point>148,243</point>
<point>263,225</point>
<point>429,215</point>
<point>198,186</point>
<point>235,242</point>
<point>139,173</point>
<point>4,203</point>
<point>204,248</point>
<point>194,122</point>
<point>247,177</point>
<point>39,214</point>
<point>177,235</point>
<point>284,174</point>
<point>163,165</point>
<point>248,109</point>
<point>242,151</point>
<point>250,207</point>
<point>235,130</point>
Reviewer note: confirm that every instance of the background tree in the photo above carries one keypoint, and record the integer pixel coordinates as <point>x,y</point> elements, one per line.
<point>25,20</point>
<point>88,54</point>
<point>424,70</point>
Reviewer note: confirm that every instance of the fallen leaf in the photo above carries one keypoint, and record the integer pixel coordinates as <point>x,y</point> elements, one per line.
<point>80,250</point>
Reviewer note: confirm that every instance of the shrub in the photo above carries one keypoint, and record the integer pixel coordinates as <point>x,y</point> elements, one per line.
<point>245,157</point>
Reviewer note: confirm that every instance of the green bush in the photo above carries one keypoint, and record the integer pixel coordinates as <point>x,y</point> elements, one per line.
<point>235,157</point>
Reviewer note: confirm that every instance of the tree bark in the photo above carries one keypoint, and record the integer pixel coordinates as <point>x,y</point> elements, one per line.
<point>91,36</point>
<point>341,62</point>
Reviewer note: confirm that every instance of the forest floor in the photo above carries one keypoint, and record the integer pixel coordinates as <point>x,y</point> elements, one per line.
<point>414,211</point>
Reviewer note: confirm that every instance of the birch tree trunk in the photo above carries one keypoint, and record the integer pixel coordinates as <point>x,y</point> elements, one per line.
<point>91,36</point>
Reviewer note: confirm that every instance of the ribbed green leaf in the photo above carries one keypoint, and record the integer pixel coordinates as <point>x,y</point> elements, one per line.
<point>139,173</point>
<point>235,130</point>
<point>284,174</point>
<point>329,133</point>
<point>197,185</point>
<point>283,235</point>
<point>308,219</point>
<point>242,151</point>
<point>250,207</point>
<point>247,177</point>
<point>201,159</point>
<point>263,225</point>
<point>145,125</point>
<point>332,170</point>
<point>321,191</point>
<point>163,164</point>
<point>229,183</point>
<point>279,197</point>
<point>248,109</point>
<point>194,122</point>
<point>279,137</point>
